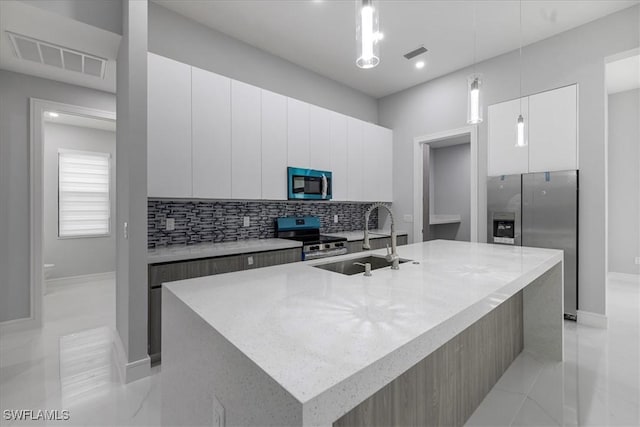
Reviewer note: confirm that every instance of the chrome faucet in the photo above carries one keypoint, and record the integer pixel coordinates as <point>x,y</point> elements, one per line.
<point>392,256</point>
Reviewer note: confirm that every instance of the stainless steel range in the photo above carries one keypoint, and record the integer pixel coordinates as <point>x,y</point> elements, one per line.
<point>306,229</point>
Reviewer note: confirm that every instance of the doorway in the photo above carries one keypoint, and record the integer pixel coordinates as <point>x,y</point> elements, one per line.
<point>446,186</point>
<point>72,217</point>
<point>622,75</point>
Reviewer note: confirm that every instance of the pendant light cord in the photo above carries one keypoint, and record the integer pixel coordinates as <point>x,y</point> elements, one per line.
<point>520,57</point>
<point>475,39</point>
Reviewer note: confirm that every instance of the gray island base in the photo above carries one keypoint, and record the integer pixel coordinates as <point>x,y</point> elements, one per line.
<point>294,345</point>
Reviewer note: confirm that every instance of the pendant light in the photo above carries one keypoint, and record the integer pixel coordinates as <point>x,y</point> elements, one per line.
<point>520,125</point>
<point>474,83</point>
<point>367,34</point>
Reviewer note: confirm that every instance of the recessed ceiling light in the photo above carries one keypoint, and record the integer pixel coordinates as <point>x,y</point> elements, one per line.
<point>420,65</point>
<point>52,114</point>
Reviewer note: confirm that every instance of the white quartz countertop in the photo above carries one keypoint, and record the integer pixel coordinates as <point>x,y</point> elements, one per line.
<point>209,250</point>
<point>331,340</point>
<point>352,236</point>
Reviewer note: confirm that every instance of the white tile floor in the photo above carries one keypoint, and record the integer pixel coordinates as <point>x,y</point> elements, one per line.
<point>67,365</point>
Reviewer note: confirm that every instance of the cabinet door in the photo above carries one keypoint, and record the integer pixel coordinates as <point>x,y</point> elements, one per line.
<point>339,162</point>
<point>553,130</point>
<point>355,160</point>
<point>246,158</point>
<point>274,146</point>
<point>505,157</point>
<point>211,131</point>
<point>378,163</point>
<point>319,138</point>
<point>297,133</point>
<point>168,128</point>
<point>386,158</point>
<point>372,162</point>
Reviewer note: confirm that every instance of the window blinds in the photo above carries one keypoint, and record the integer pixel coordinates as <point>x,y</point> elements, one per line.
<point>83,193</point>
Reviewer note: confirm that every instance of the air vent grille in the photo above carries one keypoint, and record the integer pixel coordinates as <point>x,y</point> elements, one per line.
<point>45,53</point>
<point>415,52</point>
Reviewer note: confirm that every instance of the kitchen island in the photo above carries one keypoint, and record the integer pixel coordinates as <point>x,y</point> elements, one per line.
<point>298,345</point>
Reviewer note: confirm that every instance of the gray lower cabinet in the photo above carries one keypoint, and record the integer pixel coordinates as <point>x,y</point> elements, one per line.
<point>181,270</point>
<point>378,243</point>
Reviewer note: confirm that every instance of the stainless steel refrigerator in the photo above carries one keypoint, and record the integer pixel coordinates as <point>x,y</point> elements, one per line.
<point>546,217</point>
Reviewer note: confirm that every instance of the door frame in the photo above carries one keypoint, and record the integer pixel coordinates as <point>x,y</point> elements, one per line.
<point>37,109</point>
<point>419,142</point>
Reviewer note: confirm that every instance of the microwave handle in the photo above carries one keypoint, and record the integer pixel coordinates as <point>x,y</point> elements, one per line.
<point>324,186</point>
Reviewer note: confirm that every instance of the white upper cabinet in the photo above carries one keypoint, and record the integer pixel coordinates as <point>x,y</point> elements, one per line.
<point>385,160</point>
<point>319,138</point>
<point>168,128</point>
<point>274,146</point>
<point>553,132</point>
<point>246,155</point>
<point>339,152</point>
<point>211,135</point>
<point>551,129</point>
<point>297,133</point>
<point>355,159</point>
<point>505,157</point>
<point>378,161</point>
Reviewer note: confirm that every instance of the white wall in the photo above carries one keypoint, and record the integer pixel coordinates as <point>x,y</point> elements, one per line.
<point>624,181</point>
<point>105,14</point>
<point>174,36</point>
<point>15,91</point>
<point>576,56</point>
<point>451,187</point>
<point>78,256</point>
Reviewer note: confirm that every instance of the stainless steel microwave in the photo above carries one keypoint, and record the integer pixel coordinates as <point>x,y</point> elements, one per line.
<point>308,184</point>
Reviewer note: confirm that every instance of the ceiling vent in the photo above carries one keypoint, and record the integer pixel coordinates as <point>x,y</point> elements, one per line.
<point>415,52</point>
<point>57,56</point>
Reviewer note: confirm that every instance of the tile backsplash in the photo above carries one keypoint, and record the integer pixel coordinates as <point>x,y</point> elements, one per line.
<point>222,221</point>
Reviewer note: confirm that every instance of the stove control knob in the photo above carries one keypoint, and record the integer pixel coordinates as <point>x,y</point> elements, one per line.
<point>327,246</point>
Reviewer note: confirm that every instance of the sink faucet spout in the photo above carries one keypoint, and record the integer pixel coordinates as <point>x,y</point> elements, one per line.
<point>392,256</point>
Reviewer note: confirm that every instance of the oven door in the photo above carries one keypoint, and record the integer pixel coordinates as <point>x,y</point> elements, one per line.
<point>308,184</point>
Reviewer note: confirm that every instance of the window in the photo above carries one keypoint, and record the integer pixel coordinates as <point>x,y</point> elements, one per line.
<point>83,193</point>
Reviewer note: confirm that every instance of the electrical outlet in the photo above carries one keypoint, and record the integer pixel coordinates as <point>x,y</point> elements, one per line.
<point>638,260</point>
<point>171,224</point>
<point>250,260</point>
<point>335,219</point>
<point>246,221</point>
<point>218,413</point>
<point>125,230</point>
<point>408,218</point>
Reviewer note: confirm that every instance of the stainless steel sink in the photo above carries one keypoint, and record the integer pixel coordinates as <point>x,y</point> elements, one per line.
<point>356,265</point>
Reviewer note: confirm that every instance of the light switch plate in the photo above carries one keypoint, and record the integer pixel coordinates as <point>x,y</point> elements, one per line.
<point>171,224</point>
<point>246,221</point>
<point>335,219</point>
<point>250,260</point>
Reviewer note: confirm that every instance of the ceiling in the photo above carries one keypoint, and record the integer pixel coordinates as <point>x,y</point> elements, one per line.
<point>37,23</point>
<point>623,75</point>
<point>320,34</point>
<point>81,121</point>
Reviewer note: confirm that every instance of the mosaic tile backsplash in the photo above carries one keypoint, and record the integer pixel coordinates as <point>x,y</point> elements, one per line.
<point>221,221</point>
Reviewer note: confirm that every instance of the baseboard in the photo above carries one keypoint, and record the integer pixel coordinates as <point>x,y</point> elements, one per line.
<point>18,325</point>
<point>595,320</point>
<point>63,282</point>
<point>129,371</point>
<point>624,277</point>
